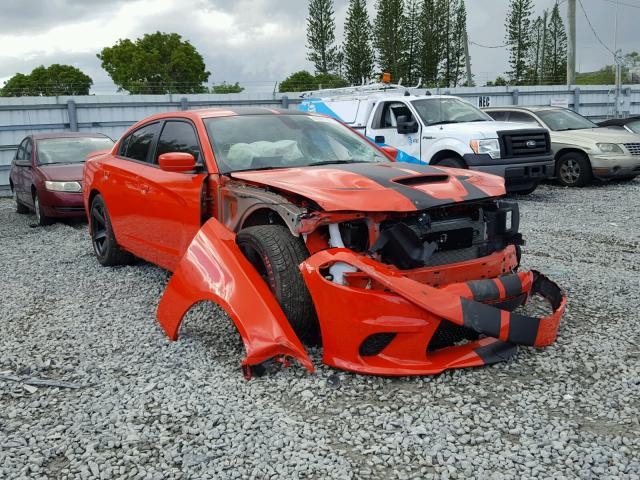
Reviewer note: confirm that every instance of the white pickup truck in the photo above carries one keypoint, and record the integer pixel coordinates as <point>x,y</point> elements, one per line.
<point>443,130</point>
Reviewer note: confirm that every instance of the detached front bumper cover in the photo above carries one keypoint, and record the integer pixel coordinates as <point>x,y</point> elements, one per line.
<point>398,312</point>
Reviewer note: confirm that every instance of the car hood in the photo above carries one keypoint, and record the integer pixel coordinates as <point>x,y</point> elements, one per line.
<point>485,129</point>
<point>591,136</point>
<point>378,187</point>
<point>62,172</point>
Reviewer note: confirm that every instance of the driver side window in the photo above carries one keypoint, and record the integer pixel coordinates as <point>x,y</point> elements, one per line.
<point>388,113</point>
<point>23,155</point>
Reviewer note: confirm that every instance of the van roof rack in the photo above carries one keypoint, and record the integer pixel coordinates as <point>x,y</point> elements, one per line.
<point>377,87</point>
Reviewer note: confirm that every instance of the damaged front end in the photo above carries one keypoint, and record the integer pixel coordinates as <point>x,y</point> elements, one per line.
<point>429,291</point>
<point>396,293</point>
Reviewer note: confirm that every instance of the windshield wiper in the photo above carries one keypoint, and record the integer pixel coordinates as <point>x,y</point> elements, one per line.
<point>443,122</point>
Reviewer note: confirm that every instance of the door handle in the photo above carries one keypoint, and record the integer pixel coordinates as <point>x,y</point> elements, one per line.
<point>428,138</point>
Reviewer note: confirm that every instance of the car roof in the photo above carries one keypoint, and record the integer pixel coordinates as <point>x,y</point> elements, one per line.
<point>230,111</point>
<point>41,136</point>
<point>618,121</point>
<point>528,108</point>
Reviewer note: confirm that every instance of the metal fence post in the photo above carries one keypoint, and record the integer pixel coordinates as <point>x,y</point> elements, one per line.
<point>73,115</point>
<point>515,94</point>
<point>184,103</point>
<point>285,102</point>
<point>576,99</point>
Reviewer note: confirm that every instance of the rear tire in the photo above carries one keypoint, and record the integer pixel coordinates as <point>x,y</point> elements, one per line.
<point>276,254</point>
<point>451,162</point>
<point>107,250</point>
<point>574,170</point>
<point>41,218</point>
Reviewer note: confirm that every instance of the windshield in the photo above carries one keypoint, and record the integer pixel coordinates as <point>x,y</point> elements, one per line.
<point>438,111</point>
<point>560,120</point>
<point>252,142</point>
<point>70,150</point>
<point>634,126</point>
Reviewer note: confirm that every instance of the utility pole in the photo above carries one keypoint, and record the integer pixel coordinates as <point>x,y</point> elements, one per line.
<point>571,50</point>
<point>617,62</point>
<point>544,43</point>
<point>467,58</point>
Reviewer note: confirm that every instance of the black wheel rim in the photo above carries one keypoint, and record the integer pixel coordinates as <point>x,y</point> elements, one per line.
<point>99,229</point>
<point>258,261</point>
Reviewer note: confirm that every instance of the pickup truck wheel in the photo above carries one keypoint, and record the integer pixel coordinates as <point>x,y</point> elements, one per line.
<point>451,162</point>
<point>573,170</point>
<point>107,250</point>
<point>41,218</point>
<point>276,254</point>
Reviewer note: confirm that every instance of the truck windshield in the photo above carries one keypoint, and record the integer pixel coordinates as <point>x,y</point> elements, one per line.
<point>70,150</point>
<point>438,111</point>
<point>561,120</point>
<point>253,142</point>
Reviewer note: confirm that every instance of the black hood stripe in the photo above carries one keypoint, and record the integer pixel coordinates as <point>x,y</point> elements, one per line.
<point>383,175</point>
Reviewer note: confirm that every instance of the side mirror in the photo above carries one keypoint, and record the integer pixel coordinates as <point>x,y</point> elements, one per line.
<point>405,125</point>
<point>177,162</point>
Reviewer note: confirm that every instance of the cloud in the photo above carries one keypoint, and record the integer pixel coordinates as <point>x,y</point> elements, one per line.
<point>256,42</point>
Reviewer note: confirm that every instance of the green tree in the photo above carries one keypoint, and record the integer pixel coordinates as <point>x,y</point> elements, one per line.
<point>225,87</point>
<point>299,82</point>
<point>431,40</point>
<point>157,63</point>
<point>358,52</point>
<point>555,50</point>
<point>43,81</point>
<point>454,70</point>
<point>389,38</point>
<point>321,36</point>
<point>518,38</point>
<point>329,80</point>
<point>535,55</point>
<point>410,32</point>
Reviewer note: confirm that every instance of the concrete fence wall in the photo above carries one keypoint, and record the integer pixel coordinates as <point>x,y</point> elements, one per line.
<point>113,114</point>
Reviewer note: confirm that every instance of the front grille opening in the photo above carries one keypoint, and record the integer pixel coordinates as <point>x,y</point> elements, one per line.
<point>421,180</point>
<point>524,143</point>
<point>449,334</point>
<point>634,148</point>
<point>376,343</point>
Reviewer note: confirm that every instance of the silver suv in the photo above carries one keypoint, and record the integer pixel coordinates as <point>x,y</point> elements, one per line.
<point>582,150</point>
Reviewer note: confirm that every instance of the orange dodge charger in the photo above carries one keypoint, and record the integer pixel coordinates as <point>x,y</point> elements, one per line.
<point>306,232</point>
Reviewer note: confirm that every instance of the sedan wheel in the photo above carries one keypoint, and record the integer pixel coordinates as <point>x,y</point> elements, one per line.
<point>574,170</point>
<point>107,250</point>
<point>41,218</point>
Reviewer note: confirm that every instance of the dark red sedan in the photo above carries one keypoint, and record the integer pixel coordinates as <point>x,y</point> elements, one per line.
<point>46,173</point>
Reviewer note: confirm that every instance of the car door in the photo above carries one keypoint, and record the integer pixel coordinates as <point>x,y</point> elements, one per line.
<point>383,130</point>
<point>23,178</point>
<point>170,203</point>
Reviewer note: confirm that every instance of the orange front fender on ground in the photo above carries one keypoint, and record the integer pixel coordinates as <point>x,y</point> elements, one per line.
<point>214,268</point>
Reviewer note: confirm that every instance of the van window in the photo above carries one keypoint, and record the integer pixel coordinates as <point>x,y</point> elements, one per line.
<point>388,113</point>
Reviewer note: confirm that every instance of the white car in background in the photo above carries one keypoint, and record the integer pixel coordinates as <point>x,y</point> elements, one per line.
<point>582,149</point>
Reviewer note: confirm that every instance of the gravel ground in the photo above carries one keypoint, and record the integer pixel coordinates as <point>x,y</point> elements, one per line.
<point>126,403</point>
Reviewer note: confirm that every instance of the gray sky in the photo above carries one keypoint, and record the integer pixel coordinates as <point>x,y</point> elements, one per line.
<point>255,42</point>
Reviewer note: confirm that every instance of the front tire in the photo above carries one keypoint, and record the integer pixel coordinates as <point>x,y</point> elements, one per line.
<point>276,254</point>
<point>574,170</point>
<point>107,250</point>
<point>41,218</point>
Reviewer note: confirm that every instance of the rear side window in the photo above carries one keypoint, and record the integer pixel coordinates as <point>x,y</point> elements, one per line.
<point>498,116</point>
<point>180,137</point>
<point>137,145</point>
<point>521,117</point>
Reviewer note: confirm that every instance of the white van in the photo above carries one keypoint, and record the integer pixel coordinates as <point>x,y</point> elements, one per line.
<point>441,130</point>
